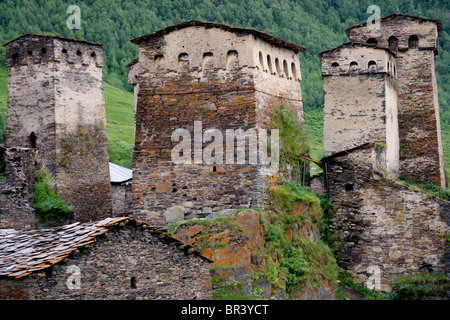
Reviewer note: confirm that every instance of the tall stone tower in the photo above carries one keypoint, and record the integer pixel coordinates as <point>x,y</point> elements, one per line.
<point>56,105</point>
<point>228,78</point>
<point>360,101</point>
<point>415,43</point>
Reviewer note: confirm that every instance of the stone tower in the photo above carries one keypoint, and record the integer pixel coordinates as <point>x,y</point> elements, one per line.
<point>227,78</point>
<point>360,101</point>
<point>56,105</point>
<point>415,43</point>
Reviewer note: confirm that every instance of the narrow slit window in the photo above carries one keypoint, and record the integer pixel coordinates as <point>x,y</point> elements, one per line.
<point>33,140</point>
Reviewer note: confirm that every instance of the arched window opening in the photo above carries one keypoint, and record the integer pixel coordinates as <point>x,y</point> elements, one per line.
<point>372,66</point>
<point>277,66</point>
<point>393,42</point>
<point>285,69</point>
<point>372,41</point>
<point>33,140</point>
<point>335,65</point>
<point>413,42</point>
<point>232,59</point>
<point>269,64</point>
<point>43,51</point>
<point>207,60</point>
<point>261,61</point>
<point>183,61</point>
<point>294,71</point>
<point>158,61</point>
<point>353,66</point>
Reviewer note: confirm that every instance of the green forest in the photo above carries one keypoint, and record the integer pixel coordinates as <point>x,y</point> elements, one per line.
<point>314,24</point>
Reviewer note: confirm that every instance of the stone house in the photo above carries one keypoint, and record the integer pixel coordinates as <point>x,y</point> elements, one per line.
<point>381,120</point>
<point>184,74</point>
<point>414,40</point>
<point>115,258</point>
<point>56,105</point>
<point>120,189</point>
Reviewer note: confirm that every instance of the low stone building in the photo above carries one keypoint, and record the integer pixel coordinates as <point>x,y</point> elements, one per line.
<point>120,189</point>
<point>116,258</point>
<point>384,229</point>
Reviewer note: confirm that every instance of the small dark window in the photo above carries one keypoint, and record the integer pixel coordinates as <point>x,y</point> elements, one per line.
<point>372,41</point>
<point>33,140</point>
<point>133,283</point>
<point>335,64</point>
<point>349,187</point>
<point>372,66</point>
<point>29,52</point>
<point>93,55</point>
<point>413,42</point>
<point>353,66</point>
<point>15,57</point>
<point>64,50</point>
<point>393,42</point>
<point>214,169</point>
<point>44,51</point>
<point>78,53</point>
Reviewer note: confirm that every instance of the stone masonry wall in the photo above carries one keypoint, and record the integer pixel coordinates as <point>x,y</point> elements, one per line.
<point>16,193</point>
<point>56,104</point>
<point>186,76</point>
<point>128,263</point>
<point>380,224</point>
<point>421,155</point>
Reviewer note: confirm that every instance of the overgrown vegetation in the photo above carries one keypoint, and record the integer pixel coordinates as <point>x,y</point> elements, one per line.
<point>298,258</point>
<point>49,207</point>
<point>430,188</point>
<point>420,286</point>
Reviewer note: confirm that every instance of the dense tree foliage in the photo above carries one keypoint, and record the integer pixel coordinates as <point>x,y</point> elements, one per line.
<point>314,24</point>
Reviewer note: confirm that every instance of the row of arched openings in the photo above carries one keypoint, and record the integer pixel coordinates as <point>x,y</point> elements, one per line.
<point>43,52</point>
<point>413,42</point>
<point>281,69</point>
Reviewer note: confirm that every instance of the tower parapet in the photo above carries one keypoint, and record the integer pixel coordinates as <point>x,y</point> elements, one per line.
<point>56,105</point>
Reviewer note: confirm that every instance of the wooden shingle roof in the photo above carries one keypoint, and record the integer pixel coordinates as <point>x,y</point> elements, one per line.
<point>24,252</point>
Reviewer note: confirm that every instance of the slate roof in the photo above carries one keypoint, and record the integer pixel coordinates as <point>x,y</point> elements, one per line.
<point>24,252</point>
<point>400,16</point>
<point>51,36</point>
<point>207,24</point>
<point>119,174</point>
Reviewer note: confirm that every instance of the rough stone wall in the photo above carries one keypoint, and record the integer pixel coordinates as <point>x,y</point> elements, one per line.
<point>421,155</point>
<point>55,97</point>
<point>382,224</point>
<point>121,199</point>
<point>16,193</point>
<point>186,76</point>
<point>107,266</point>
<point>360,102</point>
